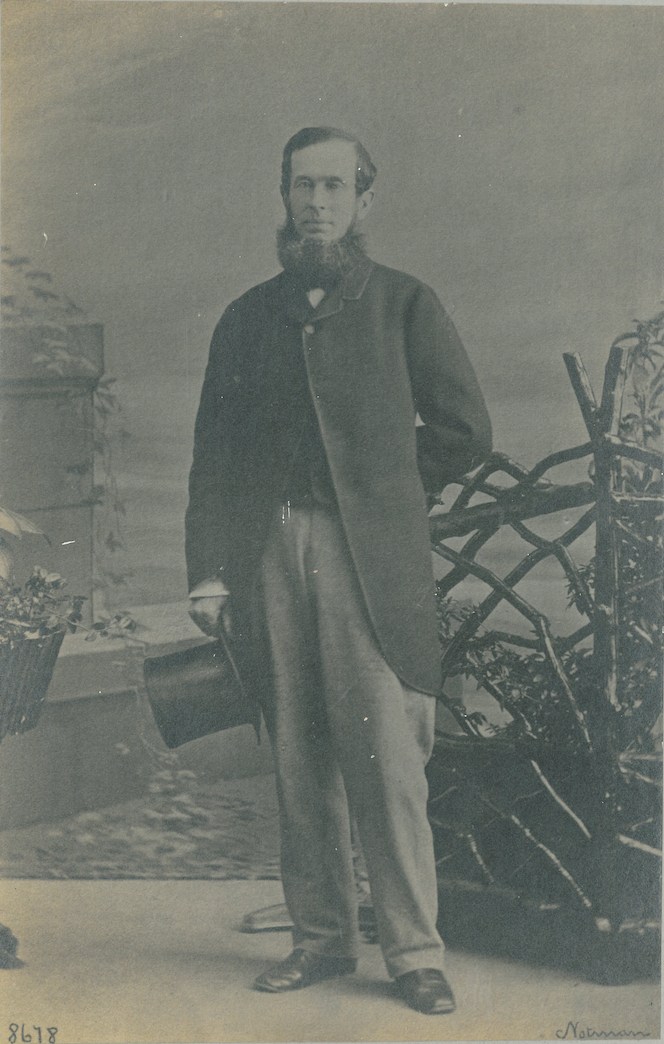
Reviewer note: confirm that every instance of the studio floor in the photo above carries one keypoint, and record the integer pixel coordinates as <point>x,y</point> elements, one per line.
<point>164,961</point>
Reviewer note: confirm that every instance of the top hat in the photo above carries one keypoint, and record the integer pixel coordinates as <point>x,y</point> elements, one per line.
<point>198,692</point>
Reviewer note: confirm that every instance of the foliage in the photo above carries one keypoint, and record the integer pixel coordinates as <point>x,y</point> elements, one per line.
<point>37,609</point>
<point>41,607</point>
<point>29,298</point>
<point>122,625</point>
<point>110,507</point>
<point>522,683</point>
<point>643,405</point>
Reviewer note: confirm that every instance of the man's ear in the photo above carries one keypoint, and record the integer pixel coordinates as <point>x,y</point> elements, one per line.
<point>364,204</point>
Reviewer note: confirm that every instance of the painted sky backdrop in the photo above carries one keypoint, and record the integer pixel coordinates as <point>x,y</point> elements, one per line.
<point>519,151</point>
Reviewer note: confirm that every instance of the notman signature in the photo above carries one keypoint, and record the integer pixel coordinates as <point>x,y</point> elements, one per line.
<point>572,1032</point>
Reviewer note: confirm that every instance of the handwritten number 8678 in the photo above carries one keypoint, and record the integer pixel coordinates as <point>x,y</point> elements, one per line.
<point>26,1038</point>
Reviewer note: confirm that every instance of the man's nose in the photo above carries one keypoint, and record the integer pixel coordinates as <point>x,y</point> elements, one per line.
<point>318,197</point>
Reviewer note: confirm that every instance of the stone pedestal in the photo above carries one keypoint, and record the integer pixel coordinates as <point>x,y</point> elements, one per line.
<point>47,444</point>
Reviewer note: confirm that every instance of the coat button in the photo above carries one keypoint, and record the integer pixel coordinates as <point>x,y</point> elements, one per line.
<point>309,328</point>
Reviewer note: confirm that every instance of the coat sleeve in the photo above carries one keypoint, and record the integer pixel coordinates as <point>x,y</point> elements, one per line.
<point>456,433</point>
<point>204,522</point>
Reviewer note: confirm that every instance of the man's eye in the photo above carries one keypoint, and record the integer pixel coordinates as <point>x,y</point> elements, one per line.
<point>333,185</point>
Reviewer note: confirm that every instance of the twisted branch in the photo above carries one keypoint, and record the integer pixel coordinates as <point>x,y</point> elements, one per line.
<point>538,620</point>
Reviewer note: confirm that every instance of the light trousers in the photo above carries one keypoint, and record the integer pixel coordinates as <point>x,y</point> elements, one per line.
<point>348,738</point>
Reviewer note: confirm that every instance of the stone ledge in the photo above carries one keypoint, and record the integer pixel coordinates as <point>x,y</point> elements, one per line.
<point>110,665</point>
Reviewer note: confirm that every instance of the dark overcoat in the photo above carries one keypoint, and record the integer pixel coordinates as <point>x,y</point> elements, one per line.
<point>376,352</point>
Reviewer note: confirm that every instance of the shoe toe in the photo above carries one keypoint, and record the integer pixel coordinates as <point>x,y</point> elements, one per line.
<point>303,969</point>
<point>427,991</point>
<point>276,983</point>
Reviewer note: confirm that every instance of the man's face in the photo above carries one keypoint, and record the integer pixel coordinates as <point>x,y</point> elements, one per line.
<point>322,200</point>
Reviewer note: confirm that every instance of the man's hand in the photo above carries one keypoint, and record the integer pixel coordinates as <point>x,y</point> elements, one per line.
<point>210,614</point>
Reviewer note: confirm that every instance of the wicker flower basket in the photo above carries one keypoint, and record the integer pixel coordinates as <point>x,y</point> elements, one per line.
<point>26,669</point>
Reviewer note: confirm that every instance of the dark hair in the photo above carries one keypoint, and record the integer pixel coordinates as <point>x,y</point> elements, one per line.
<point>365,171</point>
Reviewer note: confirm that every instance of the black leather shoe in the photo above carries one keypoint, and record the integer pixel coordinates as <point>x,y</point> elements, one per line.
<point>427,990</point>
<point>302,969</point>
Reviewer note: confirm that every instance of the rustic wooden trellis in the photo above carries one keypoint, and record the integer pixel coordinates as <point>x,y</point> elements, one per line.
<point>563,806</point>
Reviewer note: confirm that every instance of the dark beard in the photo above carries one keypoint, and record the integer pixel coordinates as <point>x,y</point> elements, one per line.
<point>317,264</point>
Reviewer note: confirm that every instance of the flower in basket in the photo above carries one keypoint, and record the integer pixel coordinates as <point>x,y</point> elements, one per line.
<point>38,609</point>
<point>33,622</point>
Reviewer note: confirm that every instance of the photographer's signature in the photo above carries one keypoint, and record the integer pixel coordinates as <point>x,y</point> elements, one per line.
<point>572,1032</point>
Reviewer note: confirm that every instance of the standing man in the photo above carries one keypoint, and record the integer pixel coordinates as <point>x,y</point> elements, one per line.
<point>307,524</point>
